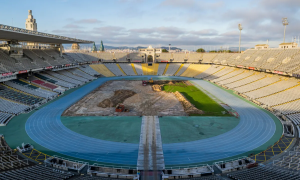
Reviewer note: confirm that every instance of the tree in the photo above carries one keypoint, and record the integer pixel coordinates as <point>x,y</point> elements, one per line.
<point>200,50</point>
<point>164,50</point>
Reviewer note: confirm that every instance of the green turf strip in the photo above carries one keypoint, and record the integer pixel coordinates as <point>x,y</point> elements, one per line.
<point>124,129</point>
<point>197,98</point>
<point>185,129</point>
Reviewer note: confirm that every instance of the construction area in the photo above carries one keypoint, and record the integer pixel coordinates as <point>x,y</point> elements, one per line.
<point>131,98</point>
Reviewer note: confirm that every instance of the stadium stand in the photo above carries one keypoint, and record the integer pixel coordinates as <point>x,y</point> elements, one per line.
<point>79,73</point>
<point>263,173</point>
<point>138,68</point>
<point>150,69</point>
<point>102,69</point>
<point>106,57</point>
<point>161,69</point>
<point>172,69</point>
<point>12,107</point>
<point>36,172</point>
<point>194,70</point>
<point>164,57</point>
<point>179,57</point>
<point>87,69</point>
<point>238,77</point>
<point>18,96</point>
<point>208,57</point>
<point>181,69</point>
<point>72,76</point>
<point>210,71</point>
<point>60,77</point>
<point>220,58</point>
<point>24,87</point>
<point>5,118</point>
<point>194,57</point>
<point>121,57</point>
<point>233,73</point>
<point>114,69</point>
<point>127,68</point>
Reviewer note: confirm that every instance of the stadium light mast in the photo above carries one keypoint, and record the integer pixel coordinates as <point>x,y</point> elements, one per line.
<point>240,28</point>
<point>285,23</point>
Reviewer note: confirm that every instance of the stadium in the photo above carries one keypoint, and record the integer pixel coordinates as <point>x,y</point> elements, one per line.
<point>149,114</point>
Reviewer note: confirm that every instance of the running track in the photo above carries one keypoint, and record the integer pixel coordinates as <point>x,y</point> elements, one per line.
<point>45,127</point>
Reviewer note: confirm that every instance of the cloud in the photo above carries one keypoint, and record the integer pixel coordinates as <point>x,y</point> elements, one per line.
<point>72,26</point>
<point>88,21</point>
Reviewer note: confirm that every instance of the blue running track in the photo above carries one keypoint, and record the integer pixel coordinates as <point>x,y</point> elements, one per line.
<point>45,127</point>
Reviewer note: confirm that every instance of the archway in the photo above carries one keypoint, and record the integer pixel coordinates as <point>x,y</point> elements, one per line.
<point>149,58</point>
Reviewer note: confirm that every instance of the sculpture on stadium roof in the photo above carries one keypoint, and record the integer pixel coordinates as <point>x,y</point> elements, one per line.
<point>94,49</point>
<point>101,46</point>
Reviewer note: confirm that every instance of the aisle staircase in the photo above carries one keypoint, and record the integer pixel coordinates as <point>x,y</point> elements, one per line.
<point>121,69</point>
<point>166,69</point>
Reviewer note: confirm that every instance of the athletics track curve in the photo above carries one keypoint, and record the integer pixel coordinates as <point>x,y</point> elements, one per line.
<point>255,128</point>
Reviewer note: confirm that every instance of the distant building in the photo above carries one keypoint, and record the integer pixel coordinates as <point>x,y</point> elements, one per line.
<point>262,46</point>
<point>288,45</point>
<point>75,46</point>
<point>30,23</point>
<point>150,53</point>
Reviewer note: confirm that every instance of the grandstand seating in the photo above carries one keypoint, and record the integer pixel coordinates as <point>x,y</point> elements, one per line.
<point>9,64</point>
<point>181,69</point>
<point>263,173</point>
<point>22,86</point>
<point>106,57</point>
<point>208,57</point>
<point>138,68</point>
<point>36,172</point>
<point>114,69</point>
<point>102,69</point>
<point>12,107</point>
<point>172,69</point>
<point>161,69</point>
<point>220,58</point>
<point>72,76</point>
<point>194,57</point>
<point>127,68</point>
<point>73,57</point>
<point>5,117</point>
<point>238,77</point>
<point>194,70</point>
<point>163,57</point>
<point>210,71</point>
<point>121,57</point>
<point>80,73</point>
<point>87,69</point>
<point>150,69</point>
<point>18,96</point>
<point>60,79</point>
<point>179,57</point>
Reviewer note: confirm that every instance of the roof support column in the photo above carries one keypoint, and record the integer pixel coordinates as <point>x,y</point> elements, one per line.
<point>60,49</point>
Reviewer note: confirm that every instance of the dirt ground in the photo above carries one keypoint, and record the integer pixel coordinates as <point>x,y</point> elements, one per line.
<point>145,102</point>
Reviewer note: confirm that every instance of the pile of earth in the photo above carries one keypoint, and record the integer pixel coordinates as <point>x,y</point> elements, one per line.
<point>119,97</point>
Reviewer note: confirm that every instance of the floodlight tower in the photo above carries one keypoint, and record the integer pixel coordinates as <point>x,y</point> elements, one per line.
<point>240,28</point>
<point>169,47</point>
<point>285,23</point>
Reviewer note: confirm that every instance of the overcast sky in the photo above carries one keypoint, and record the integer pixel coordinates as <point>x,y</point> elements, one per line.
<point>183,23</point>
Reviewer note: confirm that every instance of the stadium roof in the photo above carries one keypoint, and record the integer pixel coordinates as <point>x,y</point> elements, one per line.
<point>8,33</point>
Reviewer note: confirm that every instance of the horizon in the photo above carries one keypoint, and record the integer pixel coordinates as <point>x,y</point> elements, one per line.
<point>189,24</point>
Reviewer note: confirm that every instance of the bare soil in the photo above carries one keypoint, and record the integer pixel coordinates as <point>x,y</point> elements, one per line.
<point>140,100</point>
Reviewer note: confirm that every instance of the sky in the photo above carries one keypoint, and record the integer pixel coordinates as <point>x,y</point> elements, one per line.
<point>188,24</point>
